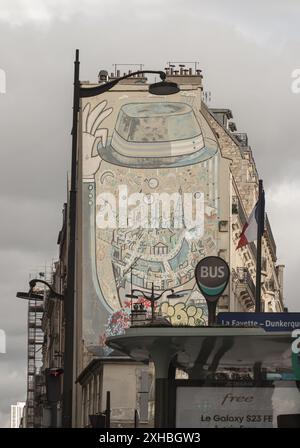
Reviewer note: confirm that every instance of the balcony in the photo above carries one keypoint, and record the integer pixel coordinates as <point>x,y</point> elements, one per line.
<point>270,286</point>
<point>242,139</point>
<point>244,287</point>
<point>270,238</point>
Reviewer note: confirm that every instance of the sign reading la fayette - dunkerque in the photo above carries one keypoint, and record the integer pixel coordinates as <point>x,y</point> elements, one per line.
<point>268,321</point>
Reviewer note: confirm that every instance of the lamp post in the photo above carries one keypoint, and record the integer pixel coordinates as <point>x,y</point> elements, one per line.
<point>53,294</point>
<point>31,295</point>
<point>153,297</point>
<point>161,88</point>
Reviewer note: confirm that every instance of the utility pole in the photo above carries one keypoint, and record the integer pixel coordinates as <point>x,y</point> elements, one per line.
<point>69,302</point>
<point>260,231</point>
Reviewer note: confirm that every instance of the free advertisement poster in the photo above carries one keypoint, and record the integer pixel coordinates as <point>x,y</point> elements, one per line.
<point>235,407</point>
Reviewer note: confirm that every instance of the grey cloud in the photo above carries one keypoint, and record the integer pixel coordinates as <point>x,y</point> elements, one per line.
<point>24,223</point>
<point>247,51</point>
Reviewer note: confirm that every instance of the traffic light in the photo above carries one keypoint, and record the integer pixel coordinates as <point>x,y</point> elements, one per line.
<point>53,384</point>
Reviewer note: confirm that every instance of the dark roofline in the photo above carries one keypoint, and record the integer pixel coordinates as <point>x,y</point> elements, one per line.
<point>229,133</point>
<point>227,112</point>
<point>101,360</point>
<point>62,233</point>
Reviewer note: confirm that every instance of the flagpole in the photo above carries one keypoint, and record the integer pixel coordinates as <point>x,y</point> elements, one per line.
<point>260,231</point>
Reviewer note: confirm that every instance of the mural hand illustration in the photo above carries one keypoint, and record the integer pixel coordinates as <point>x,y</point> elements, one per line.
<point>92,135</point>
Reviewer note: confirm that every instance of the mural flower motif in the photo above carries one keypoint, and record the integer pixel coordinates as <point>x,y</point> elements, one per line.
<point>119,321</point>
<point>182,314</point>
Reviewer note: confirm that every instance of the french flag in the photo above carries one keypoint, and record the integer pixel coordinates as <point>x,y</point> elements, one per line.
<point>250,229</point>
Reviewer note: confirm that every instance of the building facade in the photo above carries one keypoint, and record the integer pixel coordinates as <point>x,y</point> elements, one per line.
<point>130,384</point>
<point>176,149</point>
<point>16,414</point>
<point>243,195</point>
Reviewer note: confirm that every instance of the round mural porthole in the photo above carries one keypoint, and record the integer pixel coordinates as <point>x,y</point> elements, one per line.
<point>153,183</point>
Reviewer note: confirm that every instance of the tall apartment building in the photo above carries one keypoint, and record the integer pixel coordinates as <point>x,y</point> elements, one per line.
<point>243,184</point>
<point>133,142</point>
<point>16,414</point>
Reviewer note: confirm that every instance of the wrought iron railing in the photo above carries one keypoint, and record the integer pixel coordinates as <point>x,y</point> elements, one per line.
<point>244,277</point>
<point>242,138</point>
<point>270,237</point>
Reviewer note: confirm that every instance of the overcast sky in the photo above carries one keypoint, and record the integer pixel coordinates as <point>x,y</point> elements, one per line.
<point>247,51</point>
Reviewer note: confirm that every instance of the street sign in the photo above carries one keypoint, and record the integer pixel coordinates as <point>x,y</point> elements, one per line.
<point>212,275</point>
<point>268,321</point>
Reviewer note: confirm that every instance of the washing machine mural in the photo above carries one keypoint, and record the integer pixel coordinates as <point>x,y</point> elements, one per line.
<point>150,206</point>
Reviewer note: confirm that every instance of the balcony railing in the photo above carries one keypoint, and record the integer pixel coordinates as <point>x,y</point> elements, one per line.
<point>270,238</point>
<point>245,288</point>
<point>244,277</point>
<point>242,138</point>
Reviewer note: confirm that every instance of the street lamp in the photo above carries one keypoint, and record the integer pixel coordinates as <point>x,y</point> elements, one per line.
<point>153,297</point>
<point>31,295</point>
<point>161,88</point>
<point>53,294</point>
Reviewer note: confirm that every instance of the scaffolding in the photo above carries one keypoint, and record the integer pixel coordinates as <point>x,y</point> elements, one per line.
<point>34,355</point>
<point>35,341</point>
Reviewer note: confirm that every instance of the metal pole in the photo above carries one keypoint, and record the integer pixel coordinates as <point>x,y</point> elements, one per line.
<point>152,303</point>
<point>54,414</point>
<point>136,418</point>
<point>131,286</point>
<point>107,412</point>
<point>260,231</point>
<point>69,301</point>
<point>211,308</point>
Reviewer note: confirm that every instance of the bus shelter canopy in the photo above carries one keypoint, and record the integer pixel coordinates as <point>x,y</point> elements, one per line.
<point>207,347</point>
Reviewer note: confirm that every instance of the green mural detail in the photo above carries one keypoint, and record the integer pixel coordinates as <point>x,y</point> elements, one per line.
<point>213,291</point>
<point>296,365</point>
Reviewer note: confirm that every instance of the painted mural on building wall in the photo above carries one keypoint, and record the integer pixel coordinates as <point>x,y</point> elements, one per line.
<point>149,204</point>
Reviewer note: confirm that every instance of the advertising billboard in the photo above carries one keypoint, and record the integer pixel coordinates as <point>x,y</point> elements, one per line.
<point>149,188</point>
<point>238,407</point>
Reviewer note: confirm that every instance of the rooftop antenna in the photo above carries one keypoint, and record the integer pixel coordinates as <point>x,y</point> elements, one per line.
<point>131,65</point>
<point>207,96</point>
<point>183,63</point>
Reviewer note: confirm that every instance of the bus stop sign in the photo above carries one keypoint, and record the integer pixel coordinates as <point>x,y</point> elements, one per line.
<point>212,276</point>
